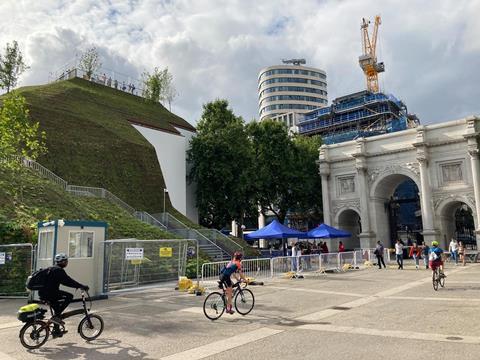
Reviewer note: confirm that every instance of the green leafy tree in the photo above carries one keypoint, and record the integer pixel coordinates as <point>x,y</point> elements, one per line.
<point>274,167</point>
<point>19,135</point>
<point>220,158</point>
<point>11,66</point>
<point>90,62</point>
<point>308,183</point>
<point>158,86</point>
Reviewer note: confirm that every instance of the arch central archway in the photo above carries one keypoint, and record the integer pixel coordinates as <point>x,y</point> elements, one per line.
<point>349,220</point>
<point>396,209</point>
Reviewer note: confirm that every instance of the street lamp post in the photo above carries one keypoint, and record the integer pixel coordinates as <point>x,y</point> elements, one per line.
<point>165,191</point>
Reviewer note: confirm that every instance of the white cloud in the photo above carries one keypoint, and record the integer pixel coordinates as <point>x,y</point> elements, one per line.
<point>216,48</point>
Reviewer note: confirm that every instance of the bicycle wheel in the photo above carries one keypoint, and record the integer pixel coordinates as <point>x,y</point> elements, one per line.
<point>441,280</point>
<point>34,334</point>
<point>90,327</point>
<point>244,301</point>
<point>435,277</point>
<point>214,305</point>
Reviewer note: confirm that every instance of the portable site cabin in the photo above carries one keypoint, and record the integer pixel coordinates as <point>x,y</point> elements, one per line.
<point>82,241</point>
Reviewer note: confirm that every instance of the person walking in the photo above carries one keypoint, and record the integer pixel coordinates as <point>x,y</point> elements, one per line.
<point>399,254</point>
<point>416,253</point>
<point>453,249</point>
<point>379,250</point>
<point>461,252</point>
<point>425,251</point>
<point>341,247</point>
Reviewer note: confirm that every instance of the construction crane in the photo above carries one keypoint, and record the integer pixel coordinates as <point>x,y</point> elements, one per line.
<point>294,61</point>
<point>368,60</point>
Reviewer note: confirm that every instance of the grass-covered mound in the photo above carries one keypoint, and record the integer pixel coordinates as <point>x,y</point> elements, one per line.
<point>91,141</point>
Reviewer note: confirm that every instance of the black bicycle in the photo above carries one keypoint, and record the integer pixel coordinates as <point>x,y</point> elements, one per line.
<point>215,303</point>
<point>36,331</point>
<point>438,278</point>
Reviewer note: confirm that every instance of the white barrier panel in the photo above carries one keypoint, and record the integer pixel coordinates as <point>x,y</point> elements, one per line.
<point>282,264</point>
<point>259,268</point>
<point>308,263</point>
<point>330,261</point>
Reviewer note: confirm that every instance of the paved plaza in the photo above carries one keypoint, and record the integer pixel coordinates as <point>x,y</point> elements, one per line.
<point>371,313</point>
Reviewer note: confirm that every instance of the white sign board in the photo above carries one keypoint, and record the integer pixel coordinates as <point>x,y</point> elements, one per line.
<point>2,258</point>
<point>134,254</point>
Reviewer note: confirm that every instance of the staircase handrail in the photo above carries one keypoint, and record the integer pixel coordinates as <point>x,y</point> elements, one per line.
<point>32,164</point>
<point>94,191</point>
<point>199,231</point>
<point>147,218</point>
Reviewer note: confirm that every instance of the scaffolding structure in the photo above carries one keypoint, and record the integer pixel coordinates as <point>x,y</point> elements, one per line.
<point>361,114</point>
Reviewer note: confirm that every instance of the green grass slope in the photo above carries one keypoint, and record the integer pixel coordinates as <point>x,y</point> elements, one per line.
<point>91,141</point>
<point>26,199</point>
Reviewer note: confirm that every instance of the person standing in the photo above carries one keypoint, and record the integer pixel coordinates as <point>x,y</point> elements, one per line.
<point>453,249</point>
<point>425,251</point>
<point>416,253</point>
<point>341,247</point>
<point>324,248</point>
<point>461,252</point>
<point>379,250</point>
<point>399,254</point>
<point>295,254</point>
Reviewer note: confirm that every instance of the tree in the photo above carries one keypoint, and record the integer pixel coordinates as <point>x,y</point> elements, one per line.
<point>274,167</point>
<point>220,158</point>
<point>158,86</point>
<point>308,184</point>
<point>90,62</point>
<point>11,66</point>
<point>19,135</point>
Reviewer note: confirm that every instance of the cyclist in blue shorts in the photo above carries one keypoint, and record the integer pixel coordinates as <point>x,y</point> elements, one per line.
<point>234,267</point>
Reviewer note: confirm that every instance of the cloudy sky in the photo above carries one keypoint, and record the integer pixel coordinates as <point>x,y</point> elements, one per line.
<point>215,49</point>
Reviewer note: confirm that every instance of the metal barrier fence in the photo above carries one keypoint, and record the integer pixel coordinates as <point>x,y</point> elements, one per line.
<point>264,268</point>
<point>16,264</point>
<point>254,268</point>
<point>160,261</point>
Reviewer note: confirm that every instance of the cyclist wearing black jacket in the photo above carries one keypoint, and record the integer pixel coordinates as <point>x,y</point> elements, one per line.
<point>58,299</point>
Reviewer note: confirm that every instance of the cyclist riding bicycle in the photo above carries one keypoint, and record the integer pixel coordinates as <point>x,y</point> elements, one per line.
<point>435,258</point>
<point>58,299</point>
<point>234,267</point>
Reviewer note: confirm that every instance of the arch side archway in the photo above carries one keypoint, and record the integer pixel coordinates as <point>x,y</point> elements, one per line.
<point>348,219</point>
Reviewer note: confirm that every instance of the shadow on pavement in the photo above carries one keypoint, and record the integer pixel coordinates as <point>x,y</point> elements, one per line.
<point>112,350</point>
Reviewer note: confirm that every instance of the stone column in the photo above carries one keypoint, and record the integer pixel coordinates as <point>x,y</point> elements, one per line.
<point>474,161</point>
<point>324,169</point>
<point>429,233</point>
<point>326,199</point>
<point>367,237</point>
<point>471,136</point>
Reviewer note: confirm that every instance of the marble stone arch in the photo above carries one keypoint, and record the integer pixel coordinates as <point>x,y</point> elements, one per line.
<point>426,154</point>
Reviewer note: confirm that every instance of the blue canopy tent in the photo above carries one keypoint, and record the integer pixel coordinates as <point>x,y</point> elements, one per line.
<point>276,230</point>
<point>325,231</point>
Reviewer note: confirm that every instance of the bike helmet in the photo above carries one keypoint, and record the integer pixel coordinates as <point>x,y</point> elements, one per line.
<point>60,257</point>
<point>237,255</point>
<point>434,243</point>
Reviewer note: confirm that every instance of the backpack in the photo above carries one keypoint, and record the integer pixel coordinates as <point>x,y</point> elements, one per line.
<point>38,280</point>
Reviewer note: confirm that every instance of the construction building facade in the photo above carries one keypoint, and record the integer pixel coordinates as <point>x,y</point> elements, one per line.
<point>357,115</point>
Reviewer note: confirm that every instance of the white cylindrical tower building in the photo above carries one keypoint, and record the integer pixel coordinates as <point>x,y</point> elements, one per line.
<point>290,88</point>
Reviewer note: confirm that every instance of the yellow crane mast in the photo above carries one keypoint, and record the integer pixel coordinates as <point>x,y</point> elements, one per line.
<point>368,60</point>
